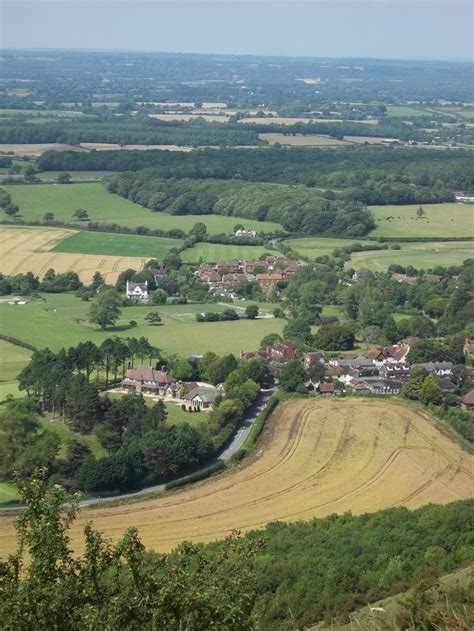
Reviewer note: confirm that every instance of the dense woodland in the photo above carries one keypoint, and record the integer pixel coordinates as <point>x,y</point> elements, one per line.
<point>372,175</point>
<point>297,209</point>
<point>287,576</point>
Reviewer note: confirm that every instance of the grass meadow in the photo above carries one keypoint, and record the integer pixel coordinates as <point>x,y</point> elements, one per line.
<point>312,247</point>
<point>61,320</point>
<point>420,255</point>
<point>107,243</point>
<point>62,199</point>
<point>440,220</point>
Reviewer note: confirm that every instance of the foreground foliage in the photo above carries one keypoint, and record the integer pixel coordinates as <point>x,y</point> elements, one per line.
<point>287,577</point>
<point>117,586</point>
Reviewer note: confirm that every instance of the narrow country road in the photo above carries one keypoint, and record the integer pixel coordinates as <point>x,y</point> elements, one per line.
<point>236,443</point>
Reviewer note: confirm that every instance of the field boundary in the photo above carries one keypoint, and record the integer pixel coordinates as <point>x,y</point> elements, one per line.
<point>16,342</point>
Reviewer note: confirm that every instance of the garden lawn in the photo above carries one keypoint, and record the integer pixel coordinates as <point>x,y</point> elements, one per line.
<point>8,493</point>
<point>115,244</point>
<point>62,199</point>
<point>421,255</point>
<point>61,320</point>
<point>65,434</point>
<point>440,220</point>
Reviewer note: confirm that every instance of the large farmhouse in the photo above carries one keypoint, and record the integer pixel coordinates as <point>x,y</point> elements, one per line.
<point>146,379</point>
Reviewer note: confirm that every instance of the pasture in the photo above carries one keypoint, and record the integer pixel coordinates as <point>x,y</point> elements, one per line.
<point>12,360</point>
<point>63,199</point>
<point>61,320</point>
<point>421,255</point>
<point>153,247</point>
<point>112,244</point>
<point>315,457</point>
<point>313,247</point>
<point>31,250</point>
<point>440,220</point>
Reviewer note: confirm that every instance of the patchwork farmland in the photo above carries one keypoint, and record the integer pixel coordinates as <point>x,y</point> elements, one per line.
<point>31,250</point>
<point>315,458</point>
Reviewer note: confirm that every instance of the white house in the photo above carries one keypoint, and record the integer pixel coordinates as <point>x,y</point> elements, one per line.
<point>138,292</point>
<point>243,232</point>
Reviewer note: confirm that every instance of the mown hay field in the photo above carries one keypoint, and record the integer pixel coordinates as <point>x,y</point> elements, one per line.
<point>26,249</point>
<point>302,140</point>
<point>23,149</point>
<point>439,220</point>
<point>316,457</point>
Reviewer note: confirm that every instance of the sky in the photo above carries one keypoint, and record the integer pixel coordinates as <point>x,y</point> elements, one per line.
<point>390,29</point>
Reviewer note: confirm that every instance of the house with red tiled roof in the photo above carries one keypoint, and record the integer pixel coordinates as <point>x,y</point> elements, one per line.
<point>327,389</point>
<point>376,355</point>
<point>268,280</point>
<point>282,351</point>
<point>467,401</point>
<point>312,357</point>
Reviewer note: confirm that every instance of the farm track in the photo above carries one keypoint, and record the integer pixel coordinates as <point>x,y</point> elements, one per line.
<point>315,457</point>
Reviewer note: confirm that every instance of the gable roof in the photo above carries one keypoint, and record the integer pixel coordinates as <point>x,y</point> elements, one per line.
<point>468,398</point>
<point>147,373</point>
<point>207,395</point>
<point>326,387</point>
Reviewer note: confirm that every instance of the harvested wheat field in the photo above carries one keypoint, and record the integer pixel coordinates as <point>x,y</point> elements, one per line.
<point>314,458</point>
<point>25,249</point>
<point>35,149</point>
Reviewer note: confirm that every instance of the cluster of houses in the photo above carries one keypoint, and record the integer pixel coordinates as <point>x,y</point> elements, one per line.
<point>193,396</point>
<point>221,277</point>
<point>378,371</point>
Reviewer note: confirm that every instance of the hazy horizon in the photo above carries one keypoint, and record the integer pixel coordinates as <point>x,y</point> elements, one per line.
<point>433,30</point>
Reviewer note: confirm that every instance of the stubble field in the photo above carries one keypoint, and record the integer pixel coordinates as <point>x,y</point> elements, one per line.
<point>31,250</point>
<point>315,458</point>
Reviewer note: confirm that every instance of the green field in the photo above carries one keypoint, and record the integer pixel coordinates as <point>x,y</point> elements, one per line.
<point>216,252</point>
<point>400,111</point>
<point>420,255</point>
<point>116,244</point>
<point>63,199</point>
<point>313,247</point>
<point>154,247</point>
<point>440,220</point>
<point>12,360</point>
<point>61,320</point>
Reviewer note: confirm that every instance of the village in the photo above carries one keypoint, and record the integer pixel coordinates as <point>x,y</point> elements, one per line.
<point>378,372</point>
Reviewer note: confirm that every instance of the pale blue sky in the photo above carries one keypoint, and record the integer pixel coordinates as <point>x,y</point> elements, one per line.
<point>405,29</point>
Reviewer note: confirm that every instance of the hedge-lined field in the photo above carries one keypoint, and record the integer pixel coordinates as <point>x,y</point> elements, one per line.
<point>63,199</point>
<point>439,220</point>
